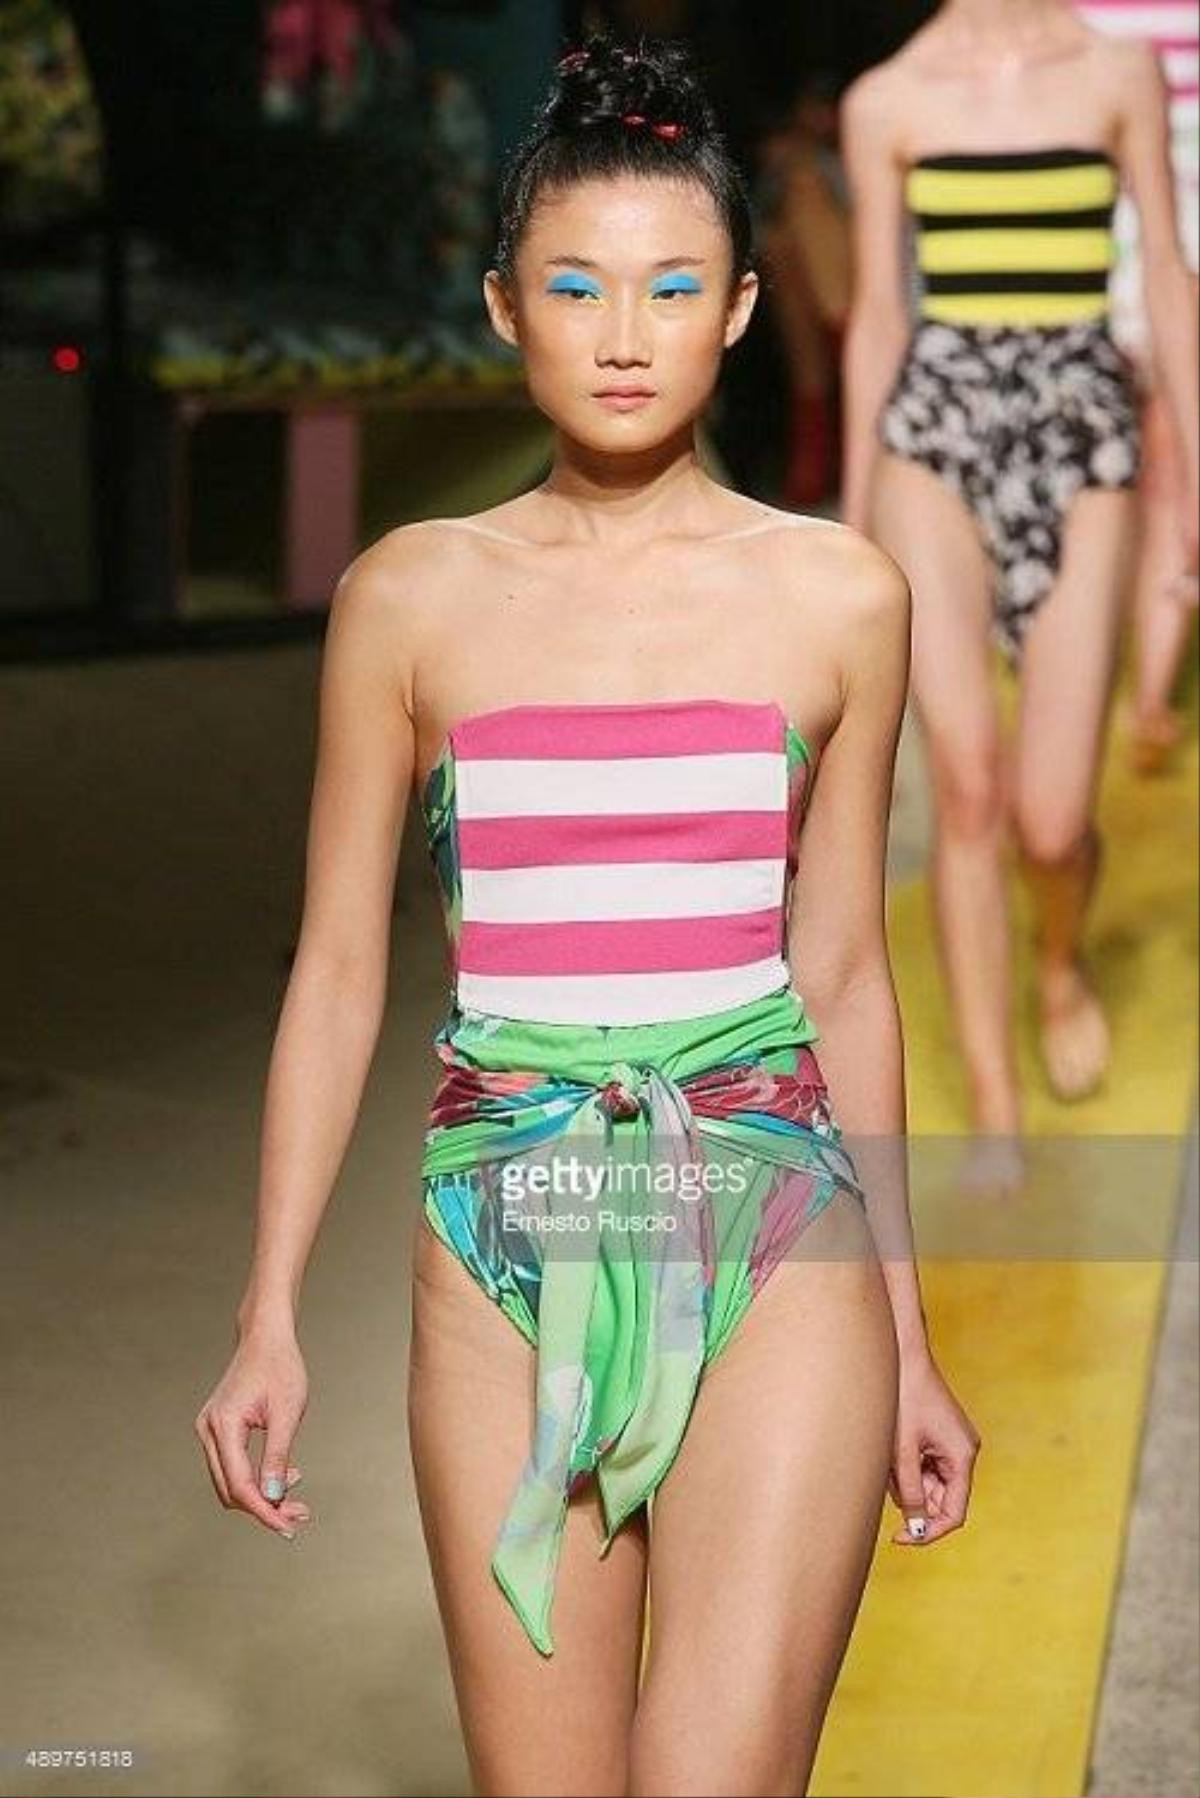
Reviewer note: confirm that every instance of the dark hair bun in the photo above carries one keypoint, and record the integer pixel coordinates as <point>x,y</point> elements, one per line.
<point>615,110</point>
<point>605,81</point>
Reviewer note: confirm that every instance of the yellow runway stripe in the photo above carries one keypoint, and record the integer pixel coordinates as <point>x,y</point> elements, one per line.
<point>969,252</point>
<point>976,1664</point>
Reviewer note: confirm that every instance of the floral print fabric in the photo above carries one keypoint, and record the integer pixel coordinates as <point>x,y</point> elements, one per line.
<point>1016,422</point>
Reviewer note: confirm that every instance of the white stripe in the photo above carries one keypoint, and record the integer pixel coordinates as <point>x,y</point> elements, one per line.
<point>1158,18</point>
<point>620,998</point>
<point>566,893</point>
<point>743,780</point>
<point>1181,66</point>
<point>1185,114</point>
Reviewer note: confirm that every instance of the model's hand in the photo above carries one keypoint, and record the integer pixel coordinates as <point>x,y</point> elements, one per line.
<point>265,1387</point>
<point>934,1455</point>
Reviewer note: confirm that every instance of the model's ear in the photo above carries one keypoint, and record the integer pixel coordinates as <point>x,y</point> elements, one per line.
<point>501,310</point>
<point>741,306</point>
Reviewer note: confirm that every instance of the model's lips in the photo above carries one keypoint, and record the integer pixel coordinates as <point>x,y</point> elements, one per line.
<point>623,399</point>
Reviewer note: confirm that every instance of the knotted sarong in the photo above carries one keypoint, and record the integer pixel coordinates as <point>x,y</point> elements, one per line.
<point>622,1192</point>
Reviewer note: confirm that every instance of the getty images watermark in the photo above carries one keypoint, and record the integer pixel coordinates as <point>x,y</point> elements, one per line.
<point>1079,1197</point>
<point>532,1191</point>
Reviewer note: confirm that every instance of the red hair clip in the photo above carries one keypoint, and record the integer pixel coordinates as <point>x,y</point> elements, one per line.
<point>661,128</point>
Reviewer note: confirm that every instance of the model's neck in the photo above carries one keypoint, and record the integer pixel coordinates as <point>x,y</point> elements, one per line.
<point>624,500</point>
<point>1002,22</point>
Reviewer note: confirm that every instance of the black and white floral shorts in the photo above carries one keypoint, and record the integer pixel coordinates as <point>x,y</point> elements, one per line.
<point>1016,421</point>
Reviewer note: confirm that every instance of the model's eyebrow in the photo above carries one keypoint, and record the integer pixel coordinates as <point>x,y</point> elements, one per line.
<point>666,262</point>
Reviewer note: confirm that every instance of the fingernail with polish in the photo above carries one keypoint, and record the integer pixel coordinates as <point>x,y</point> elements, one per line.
<point>916,1526</point>
<point>273,1487</point>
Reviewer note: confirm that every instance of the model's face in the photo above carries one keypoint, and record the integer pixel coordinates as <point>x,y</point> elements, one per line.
<point>622,306</point>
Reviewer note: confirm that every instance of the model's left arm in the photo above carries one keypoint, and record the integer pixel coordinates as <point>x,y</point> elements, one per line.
<point>1170,294</point>
<point>837,945</point>
<point>837,950</point>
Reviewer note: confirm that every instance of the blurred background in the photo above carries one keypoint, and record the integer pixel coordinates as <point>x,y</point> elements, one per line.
<point>243,332</point>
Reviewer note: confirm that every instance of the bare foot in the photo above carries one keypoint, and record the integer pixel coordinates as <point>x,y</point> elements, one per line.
<point>993,1164</point>
<point>1152,737</point>
<point>1074,1033</point>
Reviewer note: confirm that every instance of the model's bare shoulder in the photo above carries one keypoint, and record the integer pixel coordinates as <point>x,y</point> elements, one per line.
<point>1131,70</point>
<point>877,102</point>
<point>389,597</point>
<point>877,620</point>
<point>405,564</point>
<point>841,563</point>
<point>861,595</point>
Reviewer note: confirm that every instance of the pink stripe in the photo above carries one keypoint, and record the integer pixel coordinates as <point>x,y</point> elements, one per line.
<point>532,842</point>
<point>673,727</point>
<point>1123,5</point>
<point>621,945</point>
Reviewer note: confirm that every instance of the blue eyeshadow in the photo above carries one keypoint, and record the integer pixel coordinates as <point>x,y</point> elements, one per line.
<point>572,284</point>
<point>684,283</point>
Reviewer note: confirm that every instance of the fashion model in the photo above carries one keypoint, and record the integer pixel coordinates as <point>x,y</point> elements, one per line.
<point>992,448</point>
<point>667,1328</point>
<point>1165,589</point>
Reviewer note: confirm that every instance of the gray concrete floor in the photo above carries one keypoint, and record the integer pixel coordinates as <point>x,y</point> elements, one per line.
<point>152,842</point>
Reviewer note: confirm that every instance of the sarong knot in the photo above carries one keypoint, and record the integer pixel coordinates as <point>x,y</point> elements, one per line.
<point>620,1095</point>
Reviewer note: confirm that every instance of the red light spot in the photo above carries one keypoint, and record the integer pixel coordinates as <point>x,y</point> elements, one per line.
<point>67,360</point>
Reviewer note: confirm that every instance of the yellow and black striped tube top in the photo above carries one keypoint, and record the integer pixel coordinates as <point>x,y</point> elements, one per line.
<point>1014,238</point>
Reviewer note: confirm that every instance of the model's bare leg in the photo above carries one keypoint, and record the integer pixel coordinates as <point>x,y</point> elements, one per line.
<point>1161,618</point>
<point>764,1528</point>
<point>1067,678</point>
<point>933,537</point>
<point>532,1725</point>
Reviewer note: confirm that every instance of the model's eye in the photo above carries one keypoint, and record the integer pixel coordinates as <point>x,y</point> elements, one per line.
<point>668,286</point>
<point>575,286</point>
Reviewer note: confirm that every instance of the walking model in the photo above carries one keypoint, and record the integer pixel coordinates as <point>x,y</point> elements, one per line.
<point>614,693</point>
<point>992,448</point>
<point>1165,588</point>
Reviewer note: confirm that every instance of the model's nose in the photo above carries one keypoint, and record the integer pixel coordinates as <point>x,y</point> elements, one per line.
<point>623,343</point>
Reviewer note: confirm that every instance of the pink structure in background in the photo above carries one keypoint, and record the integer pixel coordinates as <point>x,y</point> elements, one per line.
<point>321,501</point>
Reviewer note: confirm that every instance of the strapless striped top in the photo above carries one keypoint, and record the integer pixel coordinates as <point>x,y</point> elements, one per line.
<point>1021,239</point>
<point>617,864</point>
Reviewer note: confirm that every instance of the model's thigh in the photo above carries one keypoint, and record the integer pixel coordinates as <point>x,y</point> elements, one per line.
<point>1067,673</point>
<point>531,1724</point>
<point>930,532</point>
<point>763,1530</point>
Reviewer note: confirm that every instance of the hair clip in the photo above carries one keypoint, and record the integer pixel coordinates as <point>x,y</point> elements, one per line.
<point>661,128</point>
<point>574,59</point>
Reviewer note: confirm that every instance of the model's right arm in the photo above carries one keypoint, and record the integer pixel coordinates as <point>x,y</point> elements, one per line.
<point>332,1010</point>
<point>879,323</point>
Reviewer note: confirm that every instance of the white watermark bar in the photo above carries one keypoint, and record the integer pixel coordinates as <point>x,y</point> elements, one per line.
<point>1077,1197</point>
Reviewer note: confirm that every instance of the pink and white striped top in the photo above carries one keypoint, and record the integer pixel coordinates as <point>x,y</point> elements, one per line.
<point>621,863</point>
<point>1173,28</point>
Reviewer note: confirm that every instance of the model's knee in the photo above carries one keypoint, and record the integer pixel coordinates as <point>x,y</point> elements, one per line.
<point>722,1757</point>
<point>971,795</point>
<point>1055,841</point>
